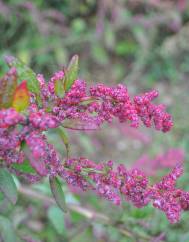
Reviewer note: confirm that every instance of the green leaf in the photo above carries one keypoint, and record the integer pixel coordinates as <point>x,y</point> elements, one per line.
<point>58,193</point>
<point>6,230</point>
<point>25,73</point>
<point>70,75</point>
<point>61,132</point>
<point>7,186</point>
<point>71,72</point>
<point>24,167</point>
<point>56,217</point>
<point>76,217</point>
<point>138,213</point>
<point>59,88</point>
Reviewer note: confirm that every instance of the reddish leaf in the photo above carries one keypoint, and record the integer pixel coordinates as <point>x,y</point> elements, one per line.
<point>21,97</point>
<point>25,73</point>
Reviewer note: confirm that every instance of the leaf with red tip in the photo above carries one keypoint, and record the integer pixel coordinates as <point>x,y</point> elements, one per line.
<point>21,97</point>
<point>25,73</point>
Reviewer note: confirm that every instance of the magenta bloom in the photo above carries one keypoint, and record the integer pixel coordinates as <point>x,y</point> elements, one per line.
<point>23,137</point>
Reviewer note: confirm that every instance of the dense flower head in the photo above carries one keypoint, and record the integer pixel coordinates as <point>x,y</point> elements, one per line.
<point>115,103</point>
<point>9,117</point>
<point>43,120</point>
<point>168,198</point>
<point>42,155</point>
<point>114,183</point>
<point>149,112</point>
<point>23,137</point>
<point>103,103</point>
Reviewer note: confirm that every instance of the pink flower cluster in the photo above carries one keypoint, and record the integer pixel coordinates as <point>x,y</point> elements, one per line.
<point>9,117</point>
<point>149,112</point>
<point>112,183</point>
<point>22,137</point>
<point>101,103</point>
<point>168,198</point>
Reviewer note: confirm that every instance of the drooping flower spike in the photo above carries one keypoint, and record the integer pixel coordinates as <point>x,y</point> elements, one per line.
<point>65,101</point>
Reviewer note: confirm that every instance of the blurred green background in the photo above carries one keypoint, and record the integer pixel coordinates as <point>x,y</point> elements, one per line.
<point>141,43</point>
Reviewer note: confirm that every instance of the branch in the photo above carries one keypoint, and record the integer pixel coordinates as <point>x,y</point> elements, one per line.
<point>26,190</point>
<point>88,213</point>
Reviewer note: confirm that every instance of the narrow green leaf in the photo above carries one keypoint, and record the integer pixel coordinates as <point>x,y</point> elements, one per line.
<point>70,75</point>
<point>25,73</point>
<point>6,230</point>
<point>7,186</point>
<point>59,88</point>
<point>71,72</point>
<point>61,132</point>
<point>56,217</point>
<point>24,167</point>
<point>58,193</point>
